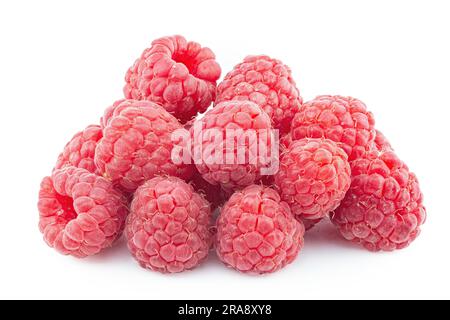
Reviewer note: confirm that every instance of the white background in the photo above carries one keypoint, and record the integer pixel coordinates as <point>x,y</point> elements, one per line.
<point>62,63</point>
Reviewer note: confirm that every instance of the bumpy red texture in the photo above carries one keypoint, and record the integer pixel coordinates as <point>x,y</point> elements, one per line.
<point>256,231</point>
<point>230,168</point>
<point>136,145</point>
<point>80,150</point>
<point>179,75</point>
<point>268,83</point>
<point>80,212</point>
<point>381,142</point>
<point>168,227</point>
<point>313,178</point>
<point>344,120</point>
<point>383,208</point>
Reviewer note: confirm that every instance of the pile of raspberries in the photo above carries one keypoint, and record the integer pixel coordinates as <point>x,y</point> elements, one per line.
<point>119,176</point>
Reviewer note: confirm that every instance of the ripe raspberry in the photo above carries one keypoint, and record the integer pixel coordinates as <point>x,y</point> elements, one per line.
<point>285,141</point>
<point>313,178</point>
<point>268,83</point>
<point>179,75</point>
<point>80,212</point>
<point>344,120</point>
<point>137,145</point>
<point>216,138</point>
<point>256,231</point>
<point>383,208</point>
<point>79,151</point>
<point>168,227</point>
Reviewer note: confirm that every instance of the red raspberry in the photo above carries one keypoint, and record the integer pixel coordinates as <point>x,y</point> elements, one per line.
<point>80,212</point>
<point>229,168</point>
<point>383,208</point>
<point>313,178</point>
<point>344,120</point>
<point>168,227</point>
<point>137,145</point>
<point>268,83</point>
<point>80,150</point>
<point>256,231</point>
<point>179,75</point>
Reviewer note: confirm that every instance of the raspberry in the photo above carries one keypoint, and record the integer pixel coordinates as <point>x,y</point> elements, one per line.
<point>256,231</point>
<point>79,151</point>
<point>344,120</point>
<point>383,208</point>
<point>179,75</point>
<point>268,83</point>
<point>313,178</point>
<point>219,162</point>
<point>168,227</point>
<point>137,145</point>
<point>285,141</point>
<point>80,212</point>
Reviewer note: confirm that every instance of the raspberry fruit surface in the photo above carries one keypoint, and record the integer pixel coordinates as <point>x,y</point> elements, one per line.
<point>344,120</point>
<point>80,150</point>
<point>256,231</point>
<point>381,143</point>
<point>179,75</point>
<point>313,178</point>
<point>80,213</point>
<point>268,83</point>
<point>230,127</point>
<point>383,208</point>
<point>168,227</point>
<point>136,145</point>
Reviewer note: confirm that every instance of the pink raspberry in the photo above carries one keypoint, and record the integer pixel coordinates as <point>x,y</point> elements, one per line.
<point>383,208</point>
<point>227,144</point>
<point>268,83</point>
<point>313,178</point>
<point>179,75</point>
<point>137,145</point>
<point>256,231</point>
<point>80,150</point>
<point>80,212</point>
<point>168,227</point>
<point>344,120</point>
